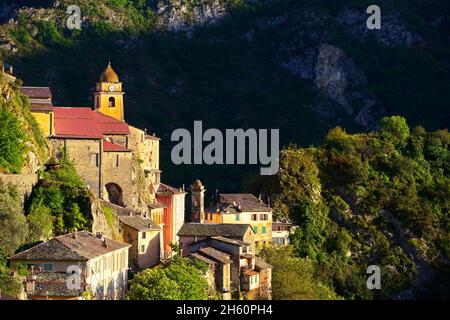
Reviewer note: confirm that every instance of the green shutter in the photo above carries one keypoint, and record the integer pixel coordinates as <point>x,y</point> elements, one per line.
<point>255,229</point>
<point>263,230</point>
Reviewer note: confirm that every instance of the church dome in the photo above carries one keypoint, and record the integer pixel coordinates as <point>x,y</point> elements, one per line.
<point>197,184</point>
<point>109,75</point>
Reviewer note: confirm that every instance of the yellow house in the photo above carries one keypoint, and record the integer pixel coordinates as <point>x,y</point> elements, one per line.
<point>41,107</point>
<point>234,208</point>
<point>245,208</point>
<point>67,266</point>
<point>145,239</point>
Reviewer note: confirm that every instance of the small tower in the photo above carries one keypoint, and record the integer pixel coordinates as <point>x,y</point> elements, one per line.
<point>198,201</point>
<point>108,97</point>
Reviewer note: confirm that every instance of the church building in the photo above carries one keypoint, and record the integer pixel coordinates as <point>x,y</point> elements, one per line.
<point>118,162</point>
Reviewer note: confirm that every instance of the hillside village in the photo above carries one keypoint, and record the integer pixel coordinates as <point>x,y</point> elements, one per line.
<point>119,164</point>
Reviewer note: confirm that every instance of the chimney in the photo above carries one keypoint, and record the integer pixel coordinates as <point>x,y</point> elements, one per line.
<point>99,235</point>
<point>104,242</point>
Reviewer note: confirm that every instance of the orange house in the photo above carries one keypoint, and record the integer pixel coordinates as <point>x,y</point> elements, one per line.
<point>173,199</point>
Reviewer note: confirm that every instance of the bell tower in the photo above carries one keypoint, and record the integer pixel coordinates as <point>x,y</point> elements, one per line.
<point>108,97</point>
<point>198,201</point>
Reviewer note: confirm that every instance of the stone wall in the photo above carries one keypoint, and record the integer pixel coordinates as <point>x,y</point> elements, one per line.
<point>86,156</point>
<point>23,182</point>
<point>100,224</point>
<point>117,169</point>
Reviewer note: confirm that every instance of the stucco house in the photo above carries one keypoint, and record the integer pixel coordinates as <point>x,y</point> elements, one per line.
<point>67,266</point>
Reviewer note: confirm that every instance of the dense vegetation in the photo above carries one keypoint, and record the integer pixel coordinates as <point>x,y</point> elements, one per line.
<point>13,233</point>
<point>380,198</point>
<point>219,76</point>
<point>360,199</point>
<point>60,203</point>
<point>19,131</point>
<point>293,278</point>
<point>180,279</point>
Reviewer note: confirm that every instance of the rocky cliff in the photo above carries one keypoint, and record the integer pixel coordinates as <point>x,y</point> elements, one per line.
<point>311,66</point>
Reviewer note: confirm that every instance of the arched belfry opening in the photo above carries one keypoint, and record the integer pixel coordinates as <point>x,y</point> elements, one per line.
<point>115,194</point>
<point>111,102</point>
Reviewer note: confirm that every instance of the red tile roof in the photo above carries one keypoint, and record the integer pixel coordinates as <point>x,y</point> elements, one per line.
<point>76,123</point>
<point>165,189</point>
<point>112,147</point>
<point>109,125</point>
<point>82,122</point>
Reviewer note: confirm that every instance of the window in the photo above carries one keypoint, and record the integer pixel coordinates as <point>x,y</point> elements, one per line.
<point>255,229</point>
<point>264,216</point>
<point>111,102</point>
<point>254,217</point>
<point>238,217</point>
<point>142,248</point>
<point>48,267</point>
<point>94,159</point>
<point>263,230</point>
<point>144,235</point>
<point>117,160</point>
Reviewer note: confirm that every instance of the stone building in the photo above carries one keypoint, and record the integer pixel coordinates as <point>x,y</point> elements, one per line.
<point>41,107</point>
<point>228,250</point>
<point>234,208</point>
<point>281,232</point>
<point>145,239</point>
<point>140,231</point>
<point>118,162</point>
<point>100,266</point>
<point>194,232</point>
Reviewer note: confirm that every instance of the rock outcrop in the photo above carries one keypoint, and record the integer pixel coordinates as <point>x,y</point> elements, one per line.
<point>181,15</point>
<point>393,32</point>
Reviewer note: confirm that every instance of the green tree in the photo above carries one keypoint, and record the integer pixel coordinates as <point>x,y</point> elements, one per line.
<point>12,142</point>
<point>13,223</point>
<point>40,221</point>
<point>65,195</point>
<point>181,279</point>
<point>293,277</point>
<point>395,129</point>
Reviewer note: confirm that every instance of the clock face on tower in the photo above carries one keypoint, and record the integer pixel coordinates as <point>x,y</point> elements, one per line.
<point>112,88</point>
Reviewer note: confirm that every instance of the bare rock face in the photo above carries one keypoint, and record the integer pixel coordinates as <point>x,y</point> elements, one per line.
<point>307,51</point>
<point>330,71</point>
<point>182,15</point>
<point>393,32</point>
<point>7,44</point>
